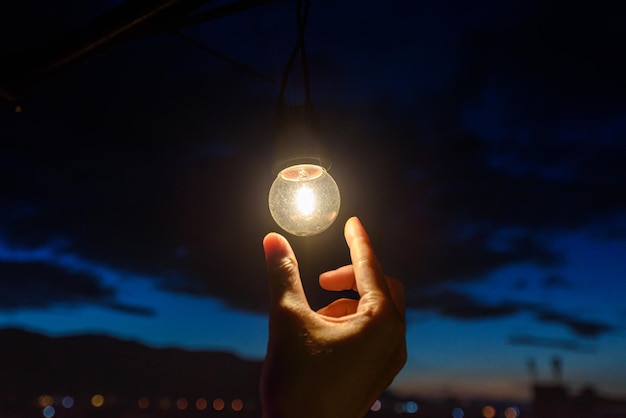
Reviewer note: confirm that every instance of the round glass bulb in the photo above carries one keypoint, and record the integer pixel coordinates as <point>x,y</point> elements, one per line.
<point>304,199</point>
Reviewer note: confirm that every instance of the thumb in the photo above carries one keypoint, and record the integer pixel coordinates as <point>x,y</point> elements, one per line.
<point>282,270</point>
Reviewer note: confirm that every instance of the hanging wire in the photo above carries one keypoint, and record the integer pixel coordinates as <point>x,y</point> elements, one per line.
<point>302,21</point>
<point>246,68</point>
<point>302,14</point>
<point>297,126</point>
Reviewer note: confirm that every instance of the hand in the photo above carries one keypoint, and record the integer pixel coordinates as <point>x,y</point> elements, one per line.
<point>334,362</point>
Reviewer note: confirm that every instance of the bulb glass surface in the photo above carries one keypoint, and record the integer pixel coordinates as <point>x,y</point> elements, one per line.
<point>304,199</point>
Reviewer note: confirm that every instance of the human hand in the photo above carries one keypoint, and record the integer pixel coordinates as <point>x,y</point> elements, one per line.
<point>334,362</point>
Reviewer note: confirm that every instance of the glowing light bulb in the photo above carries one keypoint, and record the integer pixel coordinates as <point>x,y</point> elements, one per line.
<point>304,199</point>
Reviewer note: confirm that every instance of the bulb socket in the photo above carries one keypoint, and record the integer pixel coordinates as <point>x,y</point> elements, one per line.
<point>301,160</point>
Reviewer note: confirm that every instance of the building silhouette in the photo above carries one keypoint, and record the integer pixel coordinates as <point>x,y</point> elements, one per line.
<point>554,399</point>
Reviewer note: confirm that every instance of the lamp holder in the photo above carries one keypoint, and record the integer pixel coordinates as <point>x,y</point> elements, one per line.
<point>297,137</point>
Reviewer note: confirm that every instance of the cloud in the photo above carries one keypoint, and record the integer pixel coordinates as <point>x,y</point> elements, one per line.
<point>44,277</point>
<point>459,163</point>
<point>130,309</point>
<point>40,285</point>
<point>464,306</point>
<point>553,281</point>
<point>458,305</point>
<point>580,327</point>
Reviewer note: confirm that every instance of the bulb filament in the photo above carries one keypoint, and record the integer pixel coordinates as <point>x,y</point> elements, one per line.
<point>305,201</point>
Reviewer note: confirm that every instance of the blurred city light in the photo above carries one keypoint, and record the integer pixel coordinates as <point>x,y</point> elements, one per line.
<point>67,402</point>
<point>489,411</point>
<point>56,406</point>
<point>182,404</point>
<point>48,411</point>
<point>236,405</point>
<point>410,407</point>
<point>457,413</point>
<point>201,404</point>
<point>143,402</point>
<point>218,404</point>
<point>97,400</point>
<point>45,400</point>
<point>511,412</point>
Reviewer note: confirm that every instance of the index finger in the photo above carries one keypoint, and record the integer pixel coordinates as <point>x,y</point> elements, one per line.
<point>370,279</point>
<point>339,279</point>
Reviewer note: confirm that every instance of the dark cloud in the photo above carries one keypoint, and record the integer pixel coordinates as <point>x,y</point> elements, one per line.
<point>130,309</point>
<point>464,306</point>
<point>41,285</point>
<point>555,281</point>
<point>457,142</point>
<point>580,327</point>
<point>458,305</point>
<point>520,284</point>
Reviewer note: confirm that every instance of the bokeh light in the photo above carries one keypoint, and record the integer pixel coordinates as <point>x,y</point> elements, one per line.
<point>48,411</point>
<point>511,412</point>
<point>143,402</point>
<point>489,411</point>
<point>67,402</point>
<point>201,404</point>
<point>97,400</point>
<point>410,407</point>
<point>182,403</point>
<point>218,404</point>
<point>236,405</point>
<point>45,400</point>
<point>457,413</point>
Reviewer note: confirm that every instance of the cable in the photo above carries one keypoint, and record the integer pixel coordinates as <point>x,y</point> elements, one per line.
<point>302,14</point>
<point>225,57</point>
<point>302,20</point>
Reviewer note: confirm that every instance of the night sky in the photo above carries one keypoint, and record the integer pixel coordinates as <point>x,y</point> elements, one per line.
<point>482,144</point>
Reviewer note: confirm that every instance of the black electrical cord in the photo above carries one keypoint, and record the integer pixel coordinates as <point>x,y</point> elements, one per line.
<point>302,20</point>
<point>302,14</point>
<point>225,57</point>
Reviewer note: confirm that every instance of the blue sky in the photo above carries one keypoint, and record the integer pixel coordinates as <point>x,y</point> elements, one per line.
<point>447,356</point>
<point>481,145</point>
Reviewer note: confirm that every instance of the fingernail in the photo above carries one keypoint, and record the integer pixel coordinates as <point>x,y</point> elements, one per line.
<point>274,246</point>
<point>352,223</point>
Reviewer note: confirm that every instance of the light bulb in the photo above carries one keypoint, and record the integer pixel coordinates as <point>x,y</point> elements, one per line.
<point>304,199</point>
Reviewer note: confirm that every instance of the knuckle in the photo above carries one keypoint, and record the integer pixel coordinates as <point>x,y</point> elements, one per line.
<point>287,265</point>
